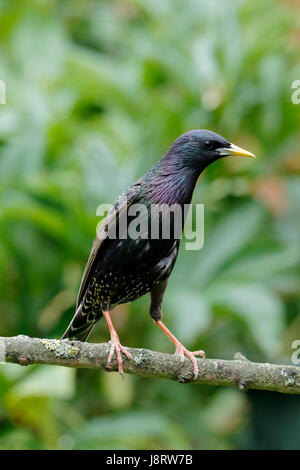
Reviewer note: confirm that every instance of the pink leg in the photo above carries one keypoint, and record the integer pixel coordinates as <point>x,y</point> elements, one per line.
<point>180,349</point>
<point>116,346</point>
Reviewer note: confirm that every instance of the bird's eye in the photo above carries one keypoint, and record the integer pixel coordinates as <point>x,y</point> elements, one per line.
<point>208,145</point>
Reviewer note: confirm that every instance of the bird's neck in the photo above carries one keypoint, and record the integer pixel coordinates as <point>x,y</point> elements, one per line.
<point>172,184</point>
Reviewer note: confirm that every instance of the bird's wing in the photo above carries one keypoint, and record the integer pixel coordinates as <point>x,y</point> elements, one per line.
<point>121,205</point>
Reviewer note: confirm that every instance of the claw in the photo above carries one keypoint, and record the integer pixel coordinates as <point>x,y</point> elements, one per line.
<point>181,351</point>
<point>117,348</point>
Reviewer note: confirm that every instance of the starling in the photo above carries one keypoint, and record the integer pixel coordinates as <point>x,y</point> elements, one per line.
<point>122,268</point>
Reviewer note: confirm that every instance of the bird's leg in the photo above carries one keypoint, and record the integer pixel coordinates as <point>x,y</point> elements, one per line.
<point>116,346</point>
<point>180,349</point>
<point>155,311</point>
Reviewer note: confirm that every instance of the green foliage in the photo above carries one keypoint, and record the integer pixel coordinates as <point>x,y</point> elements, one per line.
<point>96,92</point>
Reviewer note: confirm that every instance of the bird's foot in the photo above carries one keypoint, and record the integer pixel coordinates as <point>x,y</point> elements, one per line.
<point>116,347</point>
<point>181,351</point>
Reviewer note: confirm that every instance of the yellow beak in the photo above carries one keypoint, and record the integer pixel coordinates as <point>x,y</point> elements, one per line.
<point>236,151</point>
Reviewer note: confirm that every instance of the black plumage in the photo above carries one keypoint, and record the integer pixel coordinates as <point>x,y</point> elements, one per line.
<point>122,269</point>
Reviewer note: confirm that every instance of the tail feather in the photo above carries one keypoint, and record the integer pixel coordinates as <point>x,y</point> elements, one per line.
<point>81,325</point>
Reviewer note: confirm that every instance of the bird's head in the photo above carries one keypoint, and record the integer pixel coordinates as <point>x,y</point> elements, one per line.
<point>199,148</point>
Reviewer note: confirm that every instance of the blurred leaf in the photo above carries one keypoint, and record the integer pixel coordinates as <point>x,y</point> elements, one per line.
<point>233,233</point>
<point>259,307</point>
<point>49,381</point>
<point>128,430</point>
<point>226,411</point>
<point>119,392</point>
<point>189,313</point>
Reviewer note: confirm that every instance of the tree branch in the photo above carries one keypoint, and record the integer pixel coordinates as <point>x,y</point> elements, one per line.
<point>239,372</point>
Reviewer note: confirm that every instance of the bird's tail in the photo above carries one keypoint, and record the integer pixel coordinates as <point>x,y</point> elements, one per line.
<point>81,325</point>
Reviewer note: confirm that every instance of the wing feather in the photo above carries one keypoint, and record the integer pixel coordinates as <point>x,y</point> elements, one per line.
<point>124,201</point>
